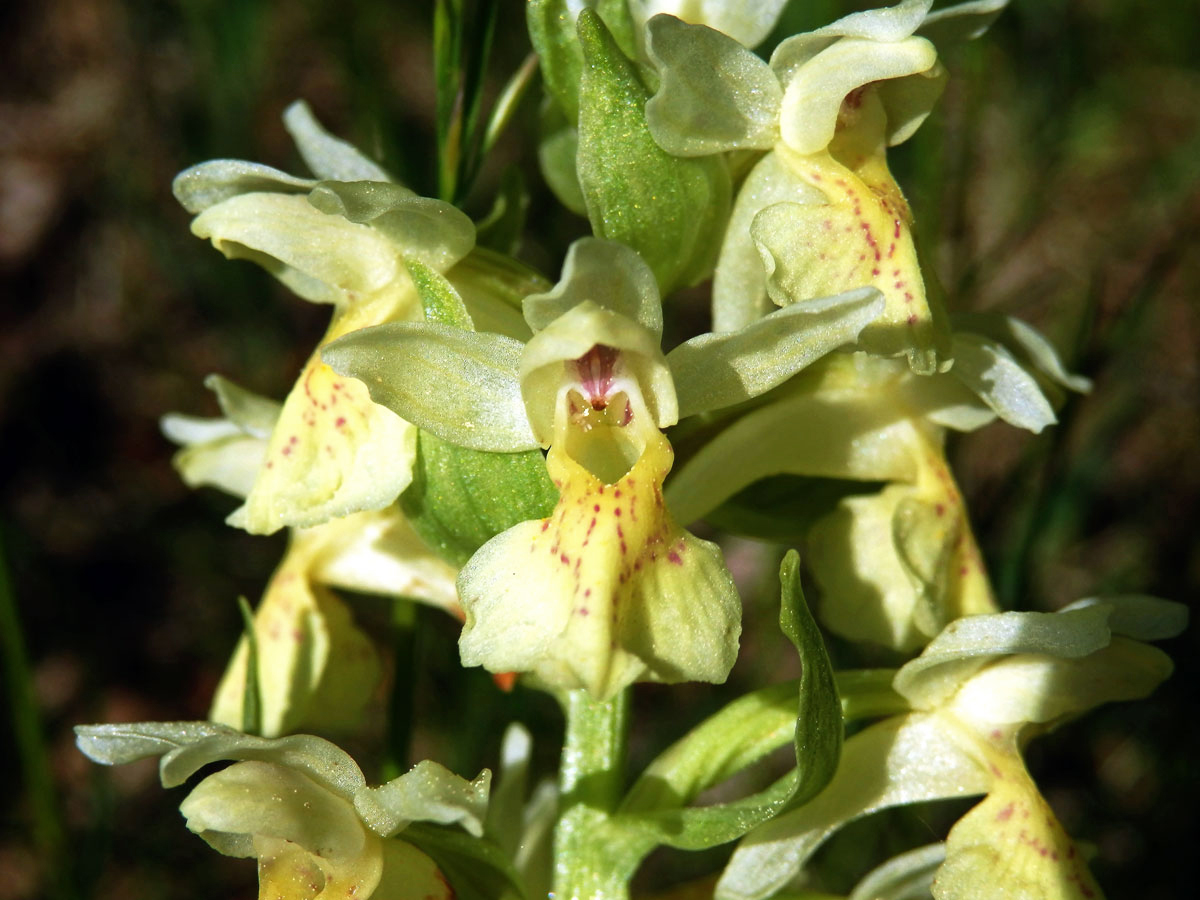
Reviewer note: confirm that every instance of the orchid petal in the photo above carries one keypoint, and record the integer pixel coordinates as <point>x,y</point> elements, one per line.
<point>460,385</point>
<point>716,370</point>
<point>325,155</point>
<point>608,274</point>
<point>714,95</point>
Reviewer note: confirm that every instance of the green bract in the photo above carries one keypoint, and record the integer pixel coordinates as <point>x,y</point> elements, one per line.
<point>979,691</point>
<point>636,596</point>
<point>598,155</point>
<point>302,808</point>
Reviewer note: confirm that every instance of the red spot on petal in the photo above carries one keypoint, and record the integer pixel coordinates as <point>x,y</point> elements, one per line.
<point>1005,814</point>
<point>675,558</point>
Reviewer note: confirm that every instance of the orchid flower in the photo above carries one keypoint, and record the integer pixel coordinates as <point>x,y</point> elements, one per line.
<point>609,589</point>
<point>349,238</point>
<point>978,693</point>
<point>316,669</point>
<point>821,212</point>
<point>895,565</point>
<point>302,808</point>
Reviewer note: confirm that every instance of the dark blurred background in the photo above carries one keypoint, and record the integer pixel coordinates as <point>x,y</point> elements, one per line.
<point>1059,181</point>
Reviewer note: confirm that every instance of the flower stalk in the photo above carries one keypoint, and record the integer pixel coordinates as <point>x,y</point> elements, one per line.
<point>590,783</point>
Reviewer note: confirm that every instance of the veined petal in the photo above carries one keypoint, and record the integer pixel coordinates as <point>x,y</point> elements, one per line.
<point>714,94</point>
<point>216,453</point>
<point>717,370</point>
<point>966,645</point>
<point>995,377</point>
<point>321,257</point>
<point>325,155</point>
<point>828,426</point>
<point>961,22</point>
<point>610,275</point>
<point>427,792</point>
<point>209,183</point>
<point>816,90</point>
<point>607,591</point>
<point>461,385</point>
<point>1027,344</point>
<point>252,413</point>
<point>1036,688</point>
<point>225,453</point>
<point>889,23</point>
<point>333,452</point>
<point>271,800</point>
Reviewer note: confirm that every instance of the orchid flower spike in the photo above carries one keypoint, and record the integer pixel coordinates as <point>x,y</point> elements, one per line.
<point>613,591</point>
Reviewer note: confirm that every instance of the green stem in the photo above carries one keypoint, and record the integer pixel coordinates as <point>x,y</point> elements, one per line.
<point>405,622</point>
<point>590,782</point>
<point>48,830</point>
